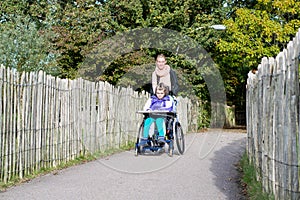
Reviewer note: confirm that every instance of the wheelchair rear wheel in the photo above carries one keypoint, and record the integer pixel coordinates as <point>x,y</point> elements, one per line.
<point>179,136</point>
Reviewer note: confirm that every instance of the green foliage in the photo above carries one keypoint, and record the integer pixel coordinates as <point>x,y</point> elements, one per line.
<point>79,27</point>
<point>26,48</point>
<point>253,187</point>
<point>73,27</point>
<point>128,69</point>
<point>175,14</point>
<point>125,14</point>
<point>251,34</point>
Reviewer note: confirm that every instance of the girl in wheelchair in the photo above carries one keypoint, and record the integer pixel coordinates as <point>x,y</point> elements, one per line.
<point>161,101</point>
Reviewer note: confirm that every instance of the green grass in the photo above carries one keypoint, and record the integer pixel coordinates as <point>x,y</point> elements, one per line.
<point>251,187</point>
<point>77,161</point>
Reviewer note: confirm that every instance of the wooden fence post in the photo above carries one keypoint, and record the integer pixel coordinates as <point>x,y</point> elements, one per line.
<point>273,122</point>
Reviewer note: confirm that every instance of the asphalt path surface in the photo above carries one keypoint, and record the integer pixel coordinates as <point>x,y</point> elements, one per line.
<point>207,170</point>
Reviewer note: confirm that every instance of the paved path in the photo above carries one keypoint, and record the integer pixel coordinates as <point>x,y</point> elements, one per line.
<point>206,171</point>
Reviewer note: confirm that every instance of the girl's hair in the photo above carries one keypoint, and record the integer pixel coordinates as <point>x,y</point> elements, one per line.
<point>162,86</point>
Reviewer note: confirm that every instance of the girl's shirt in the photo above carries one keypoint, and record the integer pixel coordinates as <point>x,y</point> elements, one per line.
<point>154,103</point>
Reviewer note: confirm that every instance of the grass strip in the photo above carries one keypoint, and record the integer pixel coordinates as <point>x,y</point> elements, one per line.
<point>251,187</point>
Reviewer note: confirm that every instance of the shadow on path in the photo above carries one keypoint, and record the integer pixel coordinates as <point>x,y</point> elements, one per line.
<point>224,167</point>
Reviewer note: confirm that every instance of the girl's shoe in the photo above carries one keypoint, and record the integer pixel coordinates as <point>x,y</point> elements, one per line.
<point>161,140</point>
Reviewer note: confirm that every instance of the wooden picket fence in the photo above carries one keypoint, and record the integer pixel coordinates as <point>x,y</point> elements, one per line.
<point>273,122</point>
<point>46,121</point>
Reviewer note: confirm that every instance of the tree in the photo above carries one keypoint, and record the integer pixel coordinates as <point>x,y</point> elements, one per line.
<point>24,47</point>
<point>263,30</point>
<point>25,40</point>
<point>79,26</point>
<point>72,27</point>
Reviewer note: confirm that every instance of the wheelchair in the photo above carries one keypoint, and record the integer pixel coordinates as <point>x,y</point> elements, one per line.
<point>172,128</point>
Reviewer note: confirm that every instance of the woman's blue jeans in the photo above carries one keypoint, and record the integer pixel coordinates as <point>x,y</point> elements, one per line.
<point>160,124</point>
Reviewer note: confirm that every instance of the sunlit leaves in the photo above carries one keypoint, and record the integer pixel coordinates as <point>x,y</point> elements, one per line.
<point>252,33</point>
<point>256,33</point>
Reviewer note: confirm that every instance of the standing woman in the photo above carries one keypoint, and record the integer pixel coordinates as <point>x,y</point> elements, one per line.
<point>164,74</point>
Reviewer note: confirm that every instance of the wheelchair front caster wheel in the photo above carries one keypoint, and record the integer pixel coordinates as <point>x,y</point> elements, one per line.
<point>137,150</point>
<point>171,151</point>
